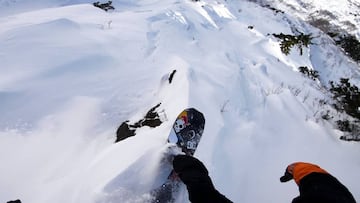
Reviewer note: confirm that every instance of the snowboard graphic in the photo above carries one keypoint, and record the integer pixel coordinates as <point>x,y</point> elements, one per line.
<point>186,134</point>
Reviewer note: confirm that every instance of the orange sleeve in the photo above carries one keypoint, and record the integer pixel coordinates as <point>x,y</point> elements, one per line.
<point>302,169</point>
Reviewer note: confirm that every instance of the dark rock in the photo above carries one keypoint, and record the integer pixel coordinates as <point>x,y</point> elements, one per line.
<point>14,201</point>
<point>104,6</point>
<point>151,119</point>
<point>172,76</point>
<point>124,132</point>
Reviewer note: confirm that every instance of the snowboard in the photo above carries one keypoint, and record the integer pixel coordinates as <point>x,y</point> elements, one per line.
<point>186,133</point>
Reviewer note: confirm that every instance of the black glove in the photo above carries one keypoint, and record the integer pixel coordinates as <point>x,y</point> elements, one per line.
<point>297,200</point>
<point>195,176</point>
<point>188,167</point>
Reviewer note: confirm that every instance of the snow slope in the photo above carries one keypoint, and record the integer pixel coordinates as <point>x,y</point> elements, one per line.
<point>342,13</point>
<point>70,73</point>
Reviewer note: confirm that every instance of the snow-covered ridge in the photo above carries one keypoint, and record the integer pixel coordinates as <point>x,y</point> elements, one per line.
<point>71,74</point>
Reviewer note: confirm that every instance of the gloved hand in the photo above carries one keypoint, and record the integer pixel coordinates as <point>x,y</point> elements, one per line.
<point>190,169</point>
<point>196,178</point>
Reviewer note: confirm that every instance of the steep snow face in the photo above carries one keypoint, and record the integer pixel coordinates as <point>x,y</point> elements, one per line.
<point>339,15</point>
<point>342,13</point>
<point>71,74</point>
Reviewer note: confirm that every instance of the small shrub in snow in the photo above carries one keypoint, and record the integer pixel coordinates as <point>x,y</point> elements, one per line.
<point>273,9</point>
<point>351,46</point>
<point>347,99</point>
<point>289,41</point>
<point>104,6</point>
<point>326,115</point>
<point>312,74</point>
<point>350,137</point>
<point>344,125</point>
<point>351,130</point>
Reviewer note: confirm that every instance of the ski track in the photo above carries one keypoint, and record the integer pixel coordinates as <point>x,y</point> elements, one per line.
<point>82,73</point>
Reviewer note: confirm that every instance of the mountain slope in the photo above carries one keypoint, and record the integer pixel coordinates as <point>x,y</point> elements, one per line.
<point>343,13</point>
<point>71,74</point>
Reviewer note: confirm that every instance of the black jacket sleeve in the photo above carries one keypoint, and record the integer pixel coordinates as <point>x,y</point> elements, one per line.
<point>196,178</point>
<point>320,187</point>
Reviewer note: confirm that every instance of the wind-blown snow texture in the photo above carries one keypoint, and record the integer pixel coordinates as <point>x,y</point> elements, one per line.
<point>71,73</point>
